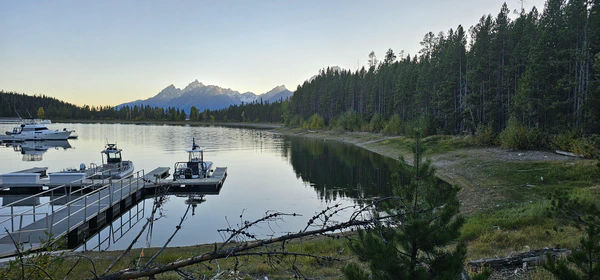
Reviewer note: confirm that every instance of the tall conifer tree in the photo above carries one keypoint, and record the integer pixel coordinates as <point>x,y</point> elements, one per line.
<point>413,240</point>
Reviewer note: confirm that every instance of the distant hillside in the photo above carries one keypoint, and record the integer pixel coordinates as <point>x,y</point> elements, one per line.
<point>206,97</point>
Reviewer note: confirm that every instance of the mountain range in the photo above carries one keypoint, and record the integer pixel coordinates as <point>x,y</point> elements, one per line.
<point>206,97</point>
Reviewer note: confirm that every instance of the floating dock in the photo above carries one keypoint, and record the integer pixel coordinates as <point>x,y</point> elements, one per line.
<point>76,209</point>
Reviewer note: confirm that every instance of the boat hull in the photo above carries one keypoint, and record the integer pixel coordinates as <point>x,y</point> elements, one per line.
<point>54,135</point>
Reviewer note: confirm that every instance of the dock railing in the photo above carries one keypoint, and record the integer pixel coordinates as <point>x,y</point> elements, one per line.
<point>78,196</point>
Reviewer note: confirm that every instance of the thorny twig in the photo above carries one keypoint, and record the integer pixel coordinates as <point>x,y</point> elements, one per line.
<point>246,225</point>
<point>237,249</point>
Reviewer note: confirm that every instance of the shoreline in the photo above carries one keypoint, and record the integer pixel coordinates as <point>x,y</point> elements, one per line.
<point>464,167</point>
<point>198,123</point>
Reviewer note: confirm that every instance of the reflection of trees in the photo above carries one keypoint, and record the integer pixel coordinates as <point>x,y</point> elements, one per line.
<point>336,169</point>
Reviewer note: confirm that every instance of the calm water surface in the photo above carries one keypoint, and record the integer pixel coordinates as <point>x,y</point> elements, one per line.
<point>266,172</point>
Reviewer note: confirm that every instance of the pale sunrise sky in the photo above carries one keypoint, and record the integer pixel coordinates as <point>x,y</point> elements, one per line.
<point>111,52</point>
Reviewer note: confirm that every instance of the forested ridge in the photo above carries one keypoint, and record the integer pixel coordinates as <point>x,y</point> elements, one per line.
<point>543,69</point>
<point>13,105</point>
<point>538,69</point>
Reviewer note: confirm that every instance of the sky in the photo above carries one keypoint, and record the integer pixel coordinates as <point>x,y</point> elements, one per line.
<point>110,52</point>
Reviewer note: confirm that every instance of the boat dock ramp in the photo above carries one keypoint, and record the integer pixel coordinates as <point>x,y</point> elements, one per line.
<point>76,209</point>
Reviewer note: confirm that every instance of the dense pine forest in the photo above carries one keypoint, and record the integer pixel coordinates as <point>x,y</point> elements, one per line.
<point>533,71</point>
<point>541,69</point>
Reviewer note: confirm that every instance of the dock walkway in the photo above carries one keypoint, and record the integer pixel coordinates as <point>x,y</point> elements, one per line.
<point>73,212</point>
<point>74,217</point>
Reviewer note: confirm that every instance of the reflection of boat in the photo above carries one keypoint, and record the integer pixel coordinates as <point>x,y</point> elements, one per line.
<point>31,129</point>
<point>193,199</point>
<point>195,167</point>
<point>113,166</point>
<point>34,150</point>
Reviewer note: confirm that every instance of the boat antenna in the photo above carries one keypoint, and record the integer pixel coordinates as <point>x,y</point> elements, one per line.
<point>194,145</point>
<point>29,113</point>
<point>18,114</point>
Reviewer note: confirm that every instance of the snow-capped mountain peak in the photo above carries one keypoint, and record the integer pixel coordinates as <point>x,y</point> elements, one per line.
<point>193,85</point>
<point>207,97</point>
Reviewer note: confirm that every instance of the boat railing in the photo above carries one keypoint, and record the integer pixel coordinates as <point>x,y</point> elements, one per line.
<point>91,197</point>
<point>72,193</point>
<point>67,191</point>
<point>93,167</point>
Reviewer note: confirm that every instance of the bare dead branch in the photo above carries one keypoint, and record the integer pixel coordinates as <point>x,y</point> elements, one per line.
<point>243,230</point>
<point>155,206</point>
<point>94,271</point>
<point>220,254</point>
<point>19,253</point>
<point>39,268</point>
<point>72,267</point>
<point>177,228</point>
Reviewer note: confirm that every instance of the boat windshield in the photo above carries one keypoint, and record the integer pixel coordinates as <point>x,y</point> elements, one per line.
<point>113,157</point>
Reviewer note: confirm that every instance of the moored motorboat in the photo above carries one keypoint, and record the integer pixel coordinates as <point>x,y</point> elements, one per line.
<point>30,129</point>
<point>196,167</point>
<point>112,167</point>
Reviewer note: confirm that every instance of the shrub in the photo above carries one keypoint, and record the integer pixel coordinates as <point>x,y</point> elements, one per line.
<point>377,123</point>
<point>395,126</point>
<point>296,121</point>
<point>577,144</point>
<point>586,146</point>
<point>514,136</point>
<point>537,139</point>
<point>485,136</point>
<point>316,122</point>
<point>349,121</point>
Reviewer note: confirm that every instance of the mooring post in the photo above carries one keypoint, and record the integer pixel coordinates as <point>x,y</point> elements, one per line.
<point>12,218</point>
<point>85,204</point>
<point>69,216</point>
<point>99,198</point>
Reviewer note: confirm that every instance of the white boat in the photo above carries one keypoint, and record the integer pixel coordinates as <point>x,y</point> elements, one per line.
<point>196,167</point>
<point>113,166</point>
<point>30,129</point>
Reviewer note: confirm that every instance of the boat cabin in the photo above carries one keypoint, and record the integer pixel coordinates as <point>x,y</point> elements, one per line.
<point>195,167</point>
<point>112,153</point>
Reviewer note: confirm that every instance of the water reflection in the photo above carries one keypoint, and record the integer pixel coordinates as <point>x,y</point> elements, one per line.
<point>34,150</point>
<point>104,237</point>
<point>336,170</point>
<point>266,171</point>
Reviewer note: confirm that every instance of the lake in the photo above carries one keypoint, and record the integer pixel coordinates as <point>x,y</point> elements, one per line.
<point>267,172</point>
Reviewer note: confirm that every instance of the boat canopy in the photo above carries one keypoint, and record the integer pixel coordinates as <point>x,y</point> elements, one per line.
<point>113,154</point>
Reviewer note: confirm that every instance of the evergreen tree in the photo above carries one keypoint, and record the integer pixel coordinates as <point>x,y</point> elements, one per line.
<point>584,262</point>
<point>414,240</point>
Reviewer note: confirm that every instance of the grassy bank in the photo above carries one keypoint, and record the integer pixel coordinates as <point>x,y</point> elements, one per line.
<point>504,193</point>
<point>254,266</point>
